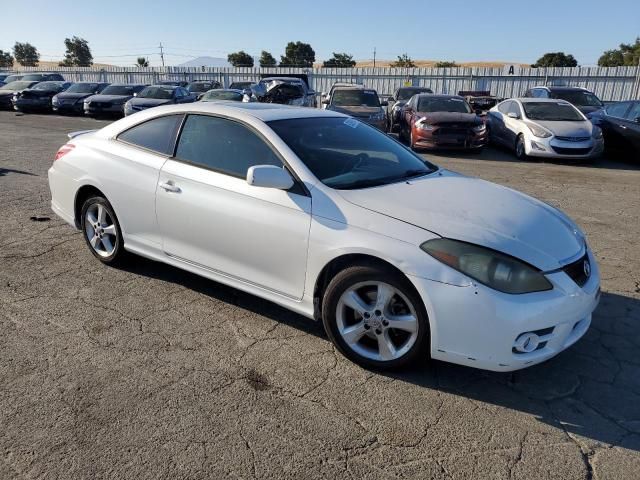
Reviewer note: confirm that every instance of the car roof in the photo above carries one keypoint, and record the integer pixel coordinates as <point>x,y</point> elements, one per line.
<point>165,87</point>
<point>539,100</point>
<point>284,79</point>
<point>437,95</point>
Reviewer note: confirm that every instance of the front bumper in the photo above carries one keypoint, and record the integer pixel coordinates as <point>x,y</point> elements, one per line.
<point>478,326</point>
<point>72,107</point>
<point>434,139</point>
<point>6,101</point>
<point>32,104</point>
<point>93,110</point>
<point>554,148</point>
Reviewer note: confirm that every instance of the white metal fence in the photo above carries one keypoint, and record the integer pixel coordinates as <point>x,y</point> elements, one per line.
<point>610,84</point>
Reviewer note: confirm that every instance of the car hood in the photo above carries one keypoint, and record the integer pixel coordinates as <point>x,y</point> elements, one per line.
<point>448,117</point>
<point>479,212</point>
<point>587,109</point>
<point>148,102</point>
<point>567,129</point>
<point>108,98</point>
<point>72,95</point>
<point>356,111</point>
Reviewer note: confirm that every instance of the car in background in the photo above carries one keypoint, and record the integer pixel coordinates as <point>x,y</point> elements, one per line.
<point>286,91</point>
<point>156,95</point>
<point>175,83</point>
<point>4,76</point>
<point>579,97</point>
<point>324,215</point>
<point>361,103</point>
<point>327,95</point>
<point>72,99</point>
<point>481,101</point>
<point>38,97</point>
<point>241,85</point>
<point>398,100</point>
<point>10,89</point>
<point>42,77</point>
<point>111,100</point>
<point>544,127</point>
<point>225,95</point>
<point>442,122</point>
<point>620,124</point>
<point>10,78</point>
<point>199,87</point>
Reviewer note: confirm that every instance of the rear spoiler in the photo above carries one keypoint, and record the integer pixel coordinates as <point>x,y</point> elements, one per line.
<point>73,135</point>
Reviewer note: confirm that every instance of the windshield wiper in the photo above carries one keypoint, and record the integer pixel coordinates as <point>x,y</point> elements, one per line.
<point>377,182</point>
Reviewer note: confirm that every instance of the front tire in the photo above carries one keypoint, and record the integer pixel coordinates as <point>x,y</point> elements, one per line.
<point>101,230</point>
<point>375,317</point>
<point>521,151</point>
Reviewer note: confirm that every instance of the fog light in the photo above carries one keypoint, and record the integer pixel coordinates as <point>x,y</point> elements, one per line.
<point>527,342</point>
<point>537,146</point>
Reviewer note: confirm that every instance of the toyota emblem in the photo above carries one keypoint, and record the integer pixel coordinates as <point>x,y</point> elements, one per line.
<point>587,268</point>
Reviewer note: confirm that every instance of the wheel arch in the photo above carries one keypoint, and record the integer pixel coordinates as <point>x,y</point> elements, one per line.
<point>83,193</point>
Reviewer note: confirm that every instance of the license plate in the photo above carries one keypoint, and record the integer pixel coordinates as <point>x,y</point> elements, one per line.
<point>450,140</point>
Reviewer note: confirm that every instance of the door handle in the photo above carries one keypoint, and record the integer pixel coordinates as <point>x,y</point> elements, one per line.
<point>169,187</point>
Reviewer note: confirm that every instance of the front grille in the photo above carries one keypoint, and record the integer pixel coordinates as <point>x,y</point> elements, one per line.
<point>99,105</point>
<point>571,151</point>
<point>574,139</point>
<point>451,131</point>
<point>578,271</point>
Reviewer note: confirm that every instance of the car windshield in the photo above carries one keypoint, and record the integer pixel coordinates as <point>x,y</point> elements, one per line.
<point>163,93</point>
<point>212,95</point>
<point>346,154</point>
<point>14,86</point>
<point>34,77</point>
<point>552,111</point>
<point>48,86</point>
<point>578,97</point>
<point>240,85</point>
<point>12,78</point>
<point>407,93</point>
<point>118,90</point>
<point>355,97</point>
<point>83,88</point>
<point>199,87</point>
<point>439,104</point>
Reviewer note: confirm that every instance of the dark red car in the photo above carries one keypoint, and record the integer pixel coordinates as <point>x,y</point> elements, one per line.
<point>443,122</point>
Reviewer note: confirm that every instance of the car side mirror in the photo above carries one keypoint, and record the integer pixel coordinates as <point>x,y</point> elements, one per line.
<point>269,176</point>
<point>325,101</point>
<point>513,115</point>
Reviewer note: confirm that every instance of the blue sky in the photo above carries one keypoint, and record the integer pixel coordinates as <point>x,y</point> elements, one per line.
<point>513,31</point>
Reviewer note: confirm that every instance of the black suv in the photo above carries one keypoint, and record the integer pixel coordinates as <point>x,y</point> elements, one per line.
<point>581,98</point>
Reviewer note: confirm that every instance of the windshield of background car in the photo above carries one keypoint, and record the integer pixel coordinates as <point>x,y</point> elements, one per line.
<point>355,98</point>
<point>14,86</point>
<point>12,78</point>
<point>48,86</point>
<point>407,93</point>
<point>222,95</point>
<point>156,92</point>
<point>456,105</point>
<point>118,90</point>
<point>34,77</point>
<point>199,87</point>
<point>83,88</point>
<point>579,98</point>
<point>345,154</point>
<point>551,111</point>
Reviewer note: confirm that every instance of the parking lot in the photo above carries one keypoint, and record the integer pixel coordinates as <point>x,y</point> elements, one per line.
<point>150,372</point>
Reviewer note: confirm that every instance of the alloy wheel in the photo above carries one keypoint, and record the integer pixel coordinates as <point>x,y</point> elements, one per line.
<point>100,230</point>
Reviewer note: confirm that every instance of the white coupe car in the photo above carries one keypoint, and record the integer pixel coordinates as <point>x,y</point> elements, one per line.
<point>333,219</point>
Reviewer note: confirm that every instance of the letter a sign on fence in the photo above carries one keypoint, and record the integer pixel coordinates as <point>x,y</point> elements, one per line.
<point>511,70</point>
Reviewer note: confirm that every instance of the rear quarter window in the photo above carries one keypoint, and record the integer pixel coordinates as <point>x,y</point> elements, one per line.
<point>157,135</point>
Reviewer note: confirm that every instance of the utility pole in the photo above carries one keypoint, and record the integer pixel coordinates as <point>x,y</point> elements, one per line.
<point>374,57</point>
<point>161,54</point>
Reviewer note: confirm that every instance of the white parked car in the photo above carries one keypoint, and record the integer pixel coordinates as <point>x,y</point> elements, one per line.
<point>544,127</point>
<point>337,221</point>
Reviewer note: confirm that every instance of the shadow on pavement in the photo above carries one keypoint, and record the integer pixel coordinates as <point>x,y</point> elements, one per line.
<point>592,390</point>
<point>6,171</point>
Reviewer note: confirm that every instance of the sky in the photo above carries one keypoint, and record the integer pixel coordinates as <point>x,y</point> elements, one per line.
<point>462,31</point>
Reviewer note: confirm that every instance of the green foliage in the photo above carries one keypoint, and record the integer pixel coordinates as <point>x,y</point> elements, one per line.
<point>556,59</point>
<point>240,59</point>
<point>78,53</point>
<point>6,60</point>
<point>267,60</point>
<point>298,54</point>
<point>445,64</point>
<point>627,55</point>
<point>340,60</point>
<point>142,62</point>
<point>404,60</point>
<point>26,54</point>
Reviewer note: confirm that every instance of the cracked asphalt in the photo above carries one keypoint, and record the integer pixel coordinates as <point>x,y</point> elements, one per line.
<point>149,372</point>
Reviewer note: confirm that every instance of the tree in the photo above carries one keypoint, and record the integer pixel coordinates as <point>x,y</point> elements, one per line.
<point>628,54</point>
<point>142,62</point>
<point>298,54</point>
<point>404,60</point>
<point>340,60</point>
<point>240,59</point>
<point>26,54</point>
<point>6,60</point>
<point>78,53</point>
<point>267,60</point>
<point>556,59</point>
<point>445,64</point>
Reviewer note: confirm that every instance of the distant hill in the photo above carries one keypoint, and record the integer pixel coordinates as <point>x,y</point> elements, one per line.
<point>431,63</point>
<point>207,62</point>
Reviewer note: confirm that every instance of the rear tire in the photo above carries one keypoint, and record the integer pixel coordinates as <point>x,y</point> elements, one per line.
<point>101,231</point>
<point>375,317</point>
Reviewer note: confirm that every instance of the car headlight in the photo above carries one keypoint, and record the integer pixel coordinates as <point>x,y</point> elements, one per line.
<point>54,100</point>
<point>489,267</point>
<point>538,131</point>
<point>479,128</point>
<point>597,133</point>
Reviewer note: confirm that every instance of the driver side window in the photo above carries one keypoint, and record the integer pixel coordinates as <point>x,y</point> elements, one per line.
<point>222,145</point>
